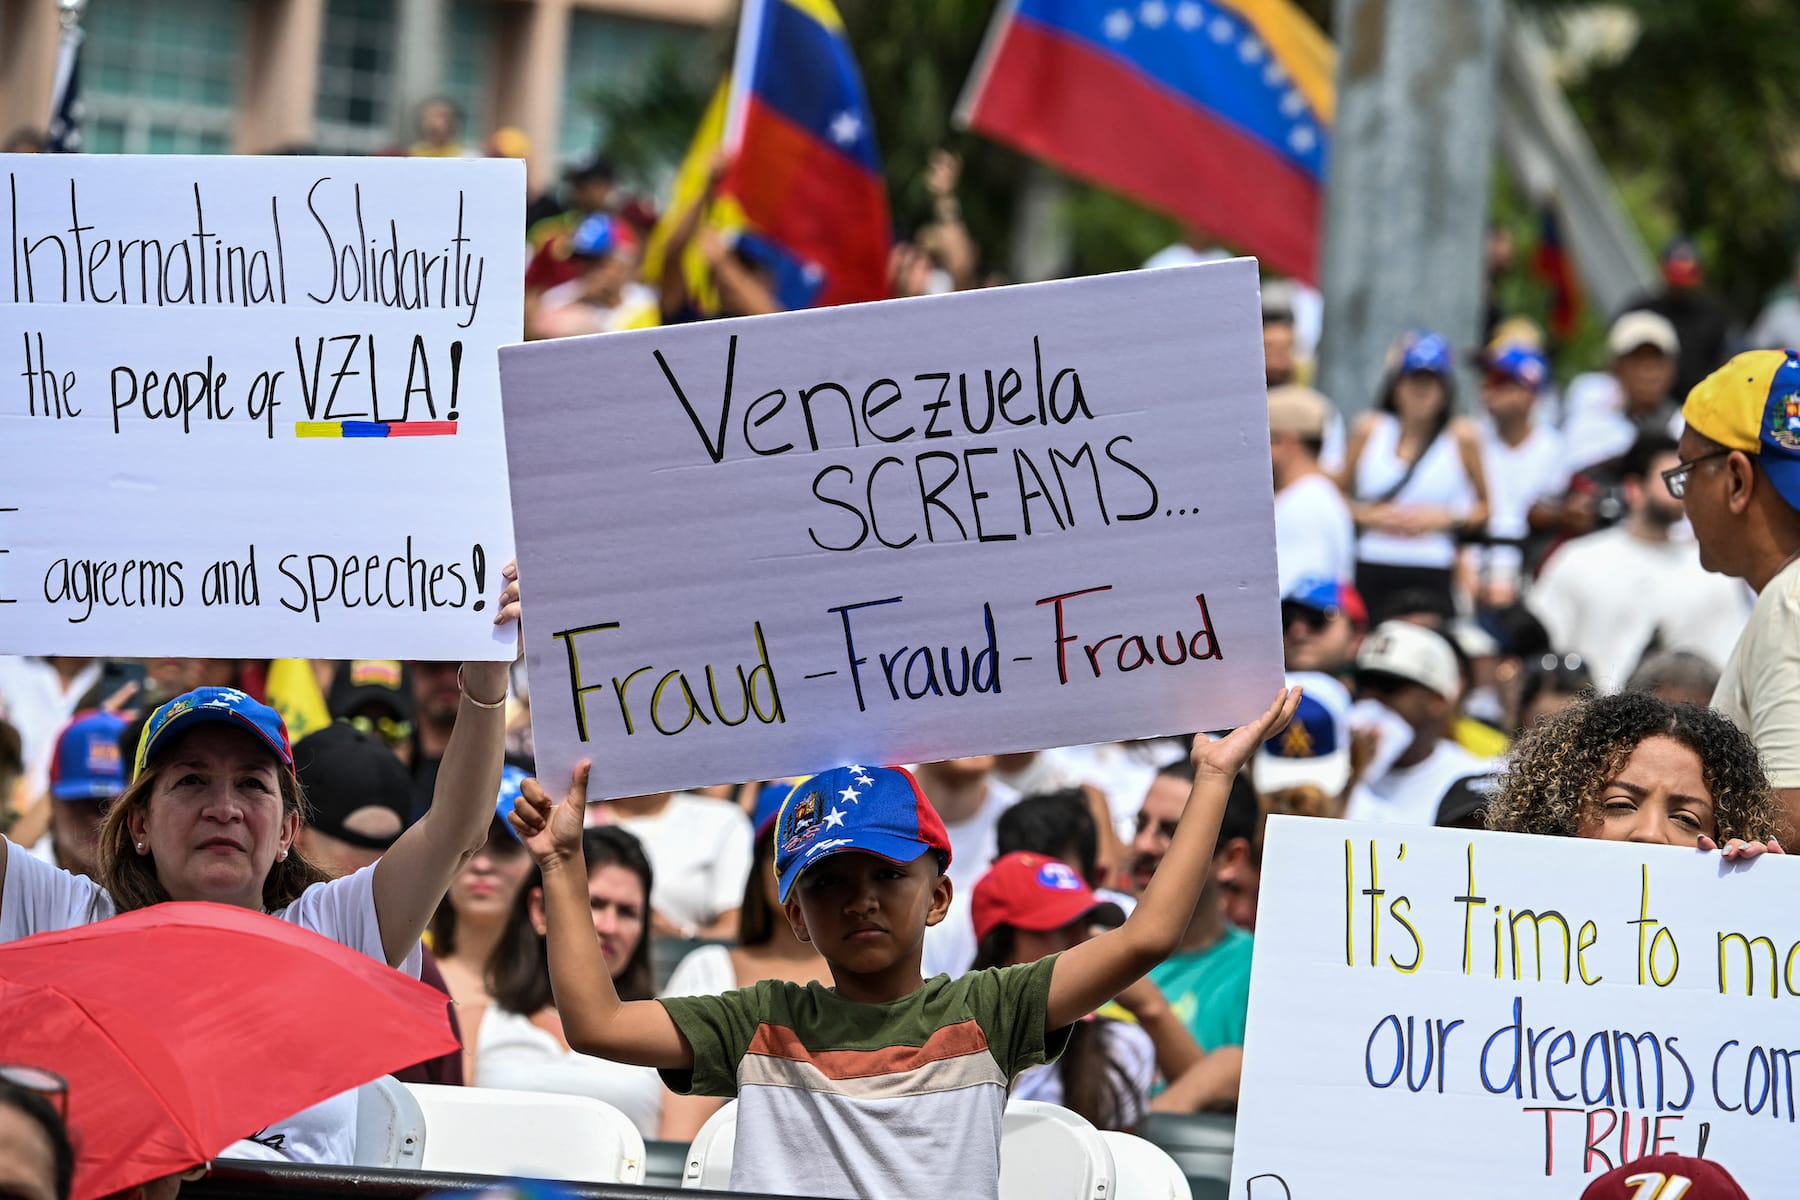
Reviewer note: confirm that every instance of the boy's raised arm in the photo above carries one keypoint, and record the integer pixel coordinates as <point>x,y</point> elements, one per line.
<point>594,1019</point>
<point>1099,969</point>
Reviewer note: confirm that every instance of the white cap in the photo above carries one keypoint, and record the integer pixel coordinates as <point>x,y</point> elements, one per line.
<point>1414,653</point>
<point>1641,327</point>
<point>1314,751</point>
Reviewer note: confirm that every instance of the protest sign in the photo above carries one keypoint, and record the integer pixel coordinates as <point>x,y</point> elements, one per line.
<point>1483,1015</point>
<point>895,532</point>
<point>252,405</point>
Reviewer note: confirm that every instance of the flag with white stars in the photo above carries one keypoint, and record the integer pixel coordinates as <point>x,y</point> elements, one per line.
<point>805,169</point>
<point>1217,112</point>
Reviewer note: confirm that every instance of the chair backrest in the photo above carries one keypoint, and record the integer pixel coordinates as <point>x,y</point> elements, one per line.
<point>537,1135</point>
<point>709,1156</point>
<point>1143,1170</point>
<point>390,1126</point>
<point>1050,1153</point>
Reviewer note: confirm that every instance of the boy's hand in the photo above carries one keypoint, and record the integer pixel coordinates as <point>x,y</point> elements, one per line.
<point>552,831</point>
<point>1227,756</point>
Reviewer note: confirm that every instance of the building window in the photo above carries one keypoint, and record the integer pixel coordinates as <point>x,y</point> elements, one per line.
<point>161,78</point>
<point>611,51</point>
<point>356,77</point>
<point>469,32</point>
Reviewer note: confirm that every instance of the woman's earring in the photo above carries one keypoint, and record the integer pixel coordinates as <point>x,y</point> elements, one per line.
<point>282,857</point>
<point>140,847</point>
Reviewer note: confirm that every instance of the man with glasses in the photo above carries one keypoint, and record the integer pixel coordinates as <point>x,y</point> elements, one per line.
<point>1322,623</point>
<point>375,696</point>
<point>1739,480</point>
<point>1614,596</point>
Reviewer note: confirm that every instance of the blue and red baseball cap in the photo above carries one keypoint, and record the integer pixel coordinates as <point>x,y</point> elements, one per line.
<point>87,764</point>
<point>205,704</point>
<point>769,799</point>
<point>1518,363</point>
<point>877,810</point>
<point>512,783</point>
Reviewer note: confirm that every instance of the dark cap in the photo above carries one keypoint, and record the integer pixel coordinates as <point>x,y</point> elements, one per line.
<point>344,771</point>
<point>365,681</point>
<point>598,169</point>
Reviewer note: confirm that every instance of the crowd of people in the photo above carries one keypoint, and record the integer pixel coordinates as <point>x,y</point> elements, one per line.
<point>1565,611</point>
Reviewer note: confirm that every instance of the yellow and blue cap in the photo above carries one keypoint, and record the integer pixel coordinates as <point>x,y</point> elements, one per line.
<point>1752,404</point>
<point>221,704</point>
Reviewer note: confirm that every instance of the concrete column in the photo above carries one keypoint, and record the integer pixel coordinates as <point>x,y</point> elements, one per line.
<point>419,49</point>
<point>1407,196</point>
<point>29,34</point>
<point>531,56</point>
<point>279,87</point>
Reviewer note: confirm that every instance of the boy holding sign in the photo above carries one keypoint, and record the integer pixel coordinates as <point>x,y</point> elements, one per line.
<point>907,1075</point>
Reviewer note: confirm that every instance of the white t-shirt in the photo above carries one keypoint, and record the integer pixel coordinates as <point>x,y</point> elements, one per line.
<point>513,1053</point>
<point>1411,795</point>
<point>699,851</point>
<point>1314,535</point>
<point>1517,478</point>
<point>40,898</point>
<point>1608,596</point>
<point>1130,1049</point>
<point>950,944</point>
<point>1760,688</point>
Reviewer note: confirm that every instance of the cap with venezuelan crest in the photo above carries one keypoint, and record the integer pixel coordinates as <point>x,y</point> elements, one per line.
<point>221,704</point>
<point>1752,404</point>
<point>877,810</point>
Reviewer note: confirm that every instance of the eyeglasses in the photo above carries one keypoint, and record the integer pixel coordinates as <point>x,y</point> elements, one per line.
<point>389,730</point>
<point>48,1084</point>
<point>1676,477</point>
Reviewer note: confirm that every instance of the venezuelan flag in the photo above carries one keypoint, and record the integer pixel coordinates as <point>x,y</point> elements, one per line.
<point>805,170</point>
<point>1216,112</point>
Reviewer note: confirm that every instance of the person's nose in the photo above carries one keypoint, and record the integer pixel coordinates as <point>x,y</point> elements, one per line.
<point>1648,828</point>
<point>1145,842</point>
<point>606,921</point>
<point>222,804</point>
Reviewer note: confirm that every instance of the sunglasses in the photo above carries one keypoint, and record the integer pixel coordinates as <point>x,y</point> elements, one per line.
<point>48,1084</point>
<point>1312,618</point>
<point>389,730</point>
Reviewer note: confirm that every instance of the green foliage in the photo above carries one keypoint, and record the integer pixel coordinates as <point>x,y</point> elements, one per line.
<point>650,117</point>
<point>1699,123</point>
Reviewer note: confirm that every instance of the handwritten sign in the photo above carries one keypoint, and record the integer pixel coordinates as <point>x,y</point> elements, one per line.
<point>250,406</point>
<point>895,532</point>
<point>1436,1013</point>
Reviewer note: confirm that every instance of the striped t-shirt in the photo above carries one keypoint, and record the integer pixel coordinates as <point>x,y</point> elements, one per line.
<point>837,1098</point>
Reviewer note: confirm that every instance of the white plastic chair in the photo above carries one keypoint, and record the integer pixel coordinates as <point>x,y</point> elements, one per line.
<point>1143,1170</point>
<point>390,1125</point>
<point>1049,1153</point>
<point>536,1135</point>
<point>709,1155</point>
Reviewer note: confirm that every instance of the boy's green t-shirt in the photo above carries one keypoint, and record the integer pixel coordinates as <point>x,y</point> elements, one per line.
<point>1209,989</point>
<point>837,1098</point>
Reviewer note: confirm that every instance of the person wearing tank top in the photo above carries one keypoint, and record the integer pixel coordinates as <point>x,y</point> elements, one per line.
<point>1413,472</point>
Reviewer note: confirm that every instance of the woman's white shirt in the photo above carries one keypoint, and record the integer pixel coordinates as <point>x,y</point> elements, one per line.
<point>511,1052</point>
<point>40,898</point>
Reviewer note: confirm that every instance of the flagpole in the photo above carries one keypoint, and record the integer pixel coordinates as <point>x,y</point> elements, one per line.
<point>65,132</point>
<point>743,63</point>
<point>984,62</point>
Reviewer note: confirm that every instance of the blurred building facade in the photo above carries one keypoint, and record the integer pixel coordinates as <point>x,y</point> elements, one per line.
<point>338,76</point>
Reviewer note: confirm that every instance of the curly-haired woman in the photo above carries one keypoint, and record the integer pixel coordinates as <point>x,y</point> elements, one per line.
<point>1633,768</point>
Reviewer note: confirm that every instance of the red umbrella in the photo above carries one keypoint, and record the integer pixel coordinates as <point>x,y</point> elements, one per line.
<point>182,1028</point>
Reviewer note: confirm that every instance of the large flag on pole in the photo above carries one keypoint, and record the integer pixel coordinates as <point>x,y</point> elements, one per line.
<point>65,97</point>
<point>1218,113</point>
<point>805,171</point>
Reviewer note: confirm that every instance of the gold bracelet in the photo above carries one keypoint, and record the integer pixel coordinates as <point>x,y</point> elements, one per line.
<point>500,703</point>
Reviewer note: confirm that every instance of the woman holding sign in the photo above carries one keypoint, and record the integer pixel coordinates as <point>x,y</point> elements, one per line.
<point>1633,768</point>
<point>213,812</point>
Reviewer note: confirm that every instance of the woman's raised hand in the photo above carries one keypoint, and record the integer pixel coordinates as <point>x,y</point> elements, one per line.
<point>1736,849</point>
<point>509,595</point>
<point>552,830</point>
<point>1228,755</point>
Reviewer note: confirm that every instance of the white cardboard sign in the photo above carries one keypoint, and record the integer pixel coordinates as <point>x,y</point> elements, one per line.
<point>1502,1016</point>
<point>251,405</point>
<point>895,532</point>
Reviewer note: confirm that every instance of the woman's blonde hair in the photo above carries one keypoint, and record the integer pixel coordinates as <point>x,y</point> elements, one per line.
<point>130,878</point>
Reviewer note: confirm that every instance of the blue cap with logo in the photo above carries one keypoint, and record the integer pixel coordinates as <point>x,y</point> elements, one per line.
<point>1314,750</point>
<point>1424,350</point>
<point>213,704</point>
<point>1519,363</point>
<point>87,764</point>
<point>512,780</point>
<point>877,810</point>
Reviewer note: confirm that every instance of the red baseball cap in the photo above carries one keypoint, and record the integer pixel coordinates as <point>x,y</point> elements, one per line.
<point>1666,1175</point>
<point>1035,892</point>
